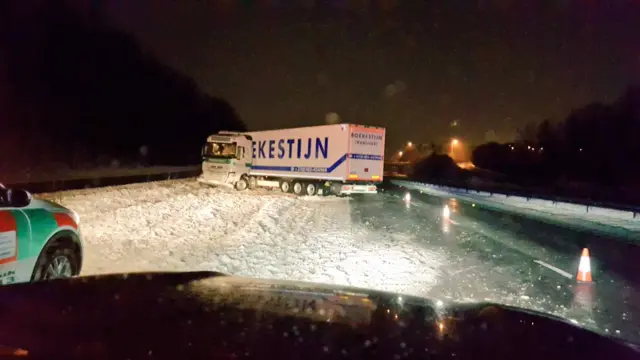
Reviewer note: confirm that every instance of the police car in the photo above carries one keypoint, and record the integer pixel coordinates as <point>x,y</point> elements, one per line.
<point>39,240</point>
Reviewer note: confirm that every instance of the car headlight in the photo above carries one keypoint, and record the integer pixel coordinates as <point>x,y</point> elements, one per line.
<point>75,217</point>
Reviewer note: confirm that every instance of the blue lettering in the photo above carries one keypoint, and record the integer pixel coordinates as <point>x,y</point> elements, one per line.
<point>366,136</point>
<point>290,142</point>
<point>272,144</point>
<point>308,154</point>
<point>320,148</point>
<point>303,147</point>
<point>280,148</point>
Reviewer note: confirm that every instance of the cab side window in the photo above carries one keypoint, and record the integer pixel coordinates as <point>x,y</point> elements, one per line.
<point>240,152</point>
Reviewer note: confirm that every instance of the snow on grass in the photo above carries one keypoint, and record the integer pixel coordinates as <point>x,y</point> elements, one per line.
<point>181,225</point>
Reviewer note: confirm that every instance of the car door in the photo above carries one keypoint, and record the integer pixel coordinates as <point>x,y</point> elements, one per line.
<point>15,236</point>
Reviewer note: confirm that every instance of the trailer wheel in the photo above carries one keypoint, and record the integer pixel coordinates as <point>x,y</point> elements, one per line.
<point>298,188</point>
<point>253,182</point>
<point>242,184</point>
<point>285,186</point>
<point>311,189</point>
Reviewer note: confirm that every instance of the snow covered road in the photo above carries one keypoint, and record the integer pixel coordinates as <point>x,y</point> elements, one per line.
<point>377,242</point>
<point>181,225</point>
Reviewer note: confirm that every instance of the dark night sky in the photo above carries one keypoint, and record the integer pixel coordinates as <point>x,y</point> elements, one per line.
<point>413,68</point>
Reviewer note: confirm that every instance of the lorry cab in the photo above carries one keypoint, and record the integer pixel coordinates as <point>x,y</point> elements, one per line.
<point>226,159</point>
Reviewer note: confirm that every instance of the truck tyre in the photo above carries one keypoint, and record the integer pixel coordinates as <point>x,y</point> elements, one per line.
<point>311,189</point>
<point>298,188</point>
<point>242,184</point>
<point>285,186</point>
<point>253,183</point>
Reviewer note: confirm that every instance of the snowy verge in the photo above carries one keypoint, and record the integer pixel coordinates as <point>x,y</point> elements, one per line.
<point>618,223</point>
<point>181,225</point>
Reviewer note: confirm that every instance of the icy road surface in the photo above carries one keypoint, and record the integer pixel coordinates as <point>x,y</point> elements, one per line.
<point>376,242</point>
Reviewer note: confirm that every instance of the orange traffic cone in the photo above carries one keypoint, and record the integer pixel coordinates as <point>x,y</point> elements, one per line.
<point>584,268</point>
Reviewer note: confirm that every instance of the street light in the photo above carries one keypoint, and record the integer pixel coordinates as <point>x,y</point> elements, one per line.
<point>454,143</point>
<point>400,153</point>
<point>409,144</point>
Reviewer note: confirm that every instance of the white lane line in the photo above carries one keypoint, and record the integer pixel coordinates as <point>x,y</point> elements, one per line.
<point>559,271</point>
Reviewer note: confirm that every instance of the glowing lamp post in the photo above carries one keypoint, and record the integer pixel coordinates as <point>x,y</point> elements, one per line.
<point>454,144</point>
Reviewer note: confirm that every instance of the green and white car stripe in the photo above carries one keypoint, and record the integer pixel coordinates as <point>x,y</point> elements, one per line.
<point>24,232</point>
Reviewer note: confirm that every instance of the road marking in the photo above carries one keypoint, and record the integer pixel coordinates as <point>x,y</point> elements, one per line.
<point>559,271</point>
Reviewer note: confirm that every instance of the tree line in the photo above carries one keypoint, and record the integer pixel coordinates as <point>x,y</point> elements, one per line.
<point>76,92</point>
<point>596,144</point>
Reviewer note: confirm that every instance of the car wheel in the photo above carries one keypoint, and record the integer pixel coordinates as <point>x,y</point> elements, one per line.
<point>55,263</point>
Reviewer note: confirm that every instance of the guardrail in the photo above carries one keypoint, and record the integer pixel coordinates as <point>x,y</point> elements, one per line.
<point>620,212</point>
<point>535,193</point>
<point>106,177</point>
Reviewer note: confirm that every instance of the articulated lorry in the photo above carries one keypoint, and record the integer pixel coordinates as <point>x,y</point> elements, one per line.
<point>339,159</point>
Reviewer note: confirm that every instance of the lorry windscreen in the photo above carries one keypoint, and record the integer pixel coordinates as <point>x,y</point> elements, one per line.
<point>219,150</point>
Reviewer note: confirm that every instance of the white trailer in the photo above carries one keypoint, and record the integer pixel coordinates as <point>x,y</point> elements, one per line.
<point>341,159</point>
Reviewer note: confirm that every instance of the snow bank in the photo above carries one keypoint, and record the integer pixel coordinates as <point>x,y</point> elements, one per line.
<point>182,225</point>
<point>624,224</point>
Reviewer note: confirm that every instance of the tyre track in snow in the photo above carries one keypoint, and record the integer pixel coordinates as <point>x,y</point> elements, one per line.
<point>179,225</point>
<point>374,242</point>
<point>286,228</point>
